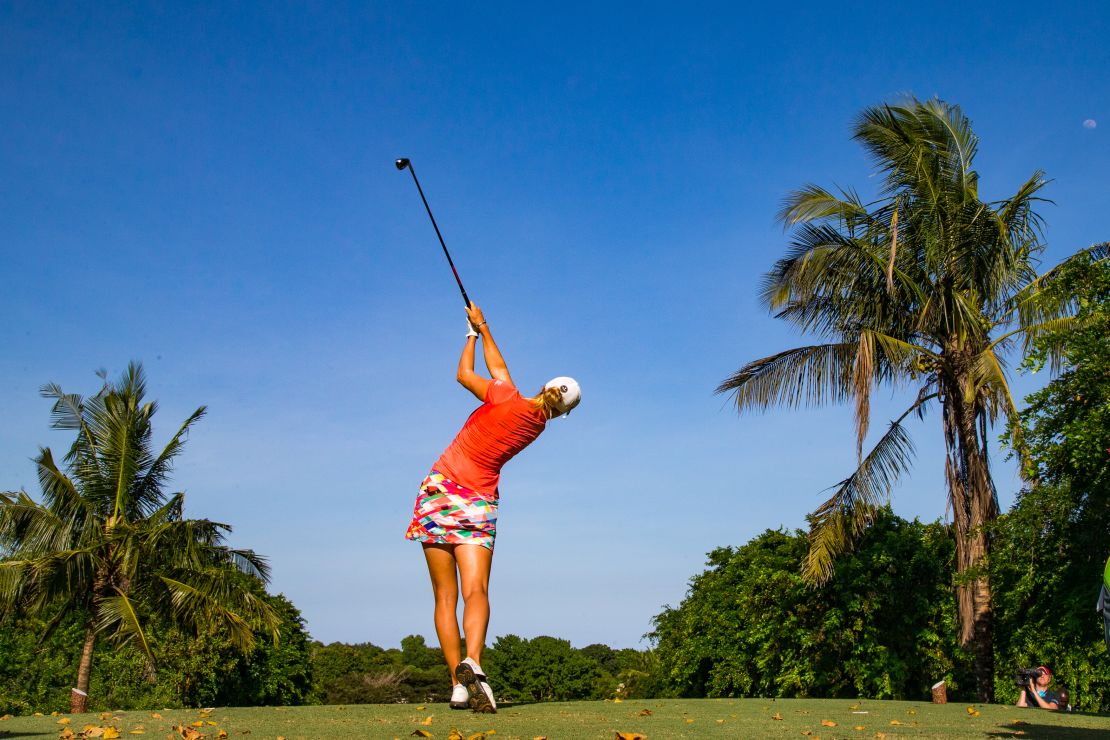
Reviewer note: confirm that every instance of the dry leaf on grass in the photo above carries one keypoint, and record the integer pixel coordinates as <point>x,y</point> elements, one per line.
<point>645,712</point>
<point>777,716</point>
<point>421,733</point>
<point>454,734</point>
<point>5,717</point>
<point>827,723</point>
<point>66,734</point>
<point>64,721</point>
<point>155,715</point>
<point>860,727</point>
<point>426,721</point>
<point>630,736</point>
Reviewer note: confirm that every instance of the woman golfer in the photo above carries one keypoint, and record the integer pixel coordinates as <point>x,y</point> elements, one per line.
<point>455,517</point>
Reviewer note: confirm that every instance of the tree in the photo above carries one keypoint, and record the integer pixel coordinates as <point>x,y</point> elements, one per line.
<point>106,540</point>
<point>540,669</point>
<point>927,286</point>
<point>750,625</point>
<point>1051,546</point>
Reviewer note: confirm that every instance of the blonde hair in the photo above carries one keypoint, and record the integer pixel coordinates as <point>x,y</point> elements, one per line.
<point>550,400</point>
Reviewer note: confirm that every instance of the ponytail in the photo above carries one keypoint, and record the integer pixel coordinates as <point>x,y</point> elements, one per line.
<point>550,400</point>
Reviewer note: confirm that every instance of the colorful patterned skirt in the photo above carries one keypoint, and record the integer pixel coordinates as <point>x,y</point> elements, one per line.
<point>449,514</point>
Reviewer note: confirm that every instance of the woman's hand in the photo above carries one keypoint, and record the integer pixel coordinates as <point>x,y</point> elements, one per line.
<point>477,320</point>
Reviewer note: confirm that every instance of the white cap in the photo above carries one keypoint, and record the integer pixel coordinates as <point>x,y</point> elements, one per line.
<point>571,393</point>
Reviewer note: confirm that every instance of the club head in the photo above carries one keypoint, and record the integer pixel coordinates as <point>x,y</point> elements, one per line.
<point>402,163</point>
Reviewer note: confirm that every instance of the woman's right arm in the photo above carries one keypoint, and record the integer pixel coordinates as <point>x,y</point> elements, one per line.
<point>495,363</point>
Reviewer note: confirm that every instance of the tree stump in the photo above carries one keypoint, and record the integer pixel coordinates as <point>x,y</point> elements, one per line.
<point>940,693</point>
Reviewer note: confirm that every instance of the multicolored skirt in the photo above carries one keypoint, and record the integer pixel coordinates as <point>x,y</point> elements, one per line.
<point>449,514</point>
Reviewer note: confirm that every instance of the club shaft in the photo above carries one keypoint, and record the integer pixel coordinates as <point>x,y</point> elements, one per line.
<point>435,226</point>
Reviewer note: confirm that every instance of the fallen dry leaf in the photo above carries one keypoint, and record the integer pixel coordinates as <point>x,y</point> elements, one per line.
<point>540,737</point>
<point>105,716</point>
<point>776,715</point>
<point>137,731</point>
<point>617,700</point>
<point>5,717</point>
<point>426,721</point>
<point>895,722</point>
<point>155,715</point>
<point>66,734</point>
<point>222,734</point>
<point>64,721</point>
<point>630,736</point>
<point>419,709</point>
<point>807,732</point>
<point>110,733</point>
<point>827,723</point>
<point>645,712</point>
<point>860,727</point>
<point>454,734</point>
<point>93,731</point>
<point>421,733</point>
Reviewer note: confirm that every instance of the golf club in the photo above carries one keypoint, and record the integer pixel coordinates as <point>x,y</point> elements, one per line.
<point>403,163</point>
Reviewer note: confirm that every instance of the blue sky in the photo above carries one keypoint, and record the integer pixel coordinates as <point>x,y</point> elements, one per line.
<point>210,189</point>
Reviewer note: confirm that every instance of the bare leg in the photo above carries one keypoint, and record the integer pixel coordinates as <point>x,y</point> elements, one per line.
<point>445,586</point>
<point>474,563</point>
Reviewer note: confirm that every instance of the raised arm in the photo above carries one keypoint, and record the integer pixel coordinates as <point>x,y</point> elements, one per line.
<point>495,363</point>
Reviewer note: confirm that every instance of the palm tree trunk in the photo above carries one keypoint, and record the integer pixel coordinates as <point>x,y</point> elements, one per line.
<point>974,505</point>
<point>79,697</point>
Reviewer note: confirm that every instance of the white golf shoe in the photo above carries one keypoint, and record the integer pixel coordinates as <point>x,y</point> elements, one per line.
<point>470,675</point>
<point>460,697</point>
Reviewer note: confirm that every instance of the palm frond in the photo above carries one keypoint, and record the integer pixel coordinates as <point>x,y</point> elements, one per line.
<point>837,523</point>
<point>812,376</point>
<point>119,615</point>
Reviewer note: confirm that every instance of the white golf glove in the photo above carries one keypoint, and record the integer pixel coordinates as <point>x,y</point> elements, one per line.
<point>471,331</point>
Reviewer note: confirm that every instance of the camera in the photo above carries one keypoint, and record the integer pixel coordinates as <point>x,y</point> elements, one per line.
<point>1025,675</point>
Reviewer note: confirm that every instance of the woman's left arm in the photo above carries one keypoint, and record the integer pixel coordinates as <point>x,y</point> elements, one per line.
<point>469,379</point>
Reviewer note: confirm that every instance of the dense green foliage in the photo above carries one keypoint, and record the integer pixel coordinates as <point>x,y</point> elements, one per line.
<point>540,669</point>
<point>192,670</point>
<point>1051,547</point>
<point>883,626</point>
<point>367,674</point>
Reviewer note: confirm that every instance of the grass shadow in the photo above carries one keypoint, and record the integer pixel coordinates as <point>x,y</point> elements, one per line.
<point>1034,731</point>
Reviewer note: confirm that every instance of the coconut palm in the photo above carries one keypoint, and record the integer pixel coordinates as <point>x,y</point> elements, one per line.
<point>107,542</point>
<point>927,287</point>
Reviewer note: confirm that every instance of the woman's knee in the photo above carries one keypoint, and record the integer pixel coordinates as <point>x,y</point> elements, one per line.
<point>475,592</point>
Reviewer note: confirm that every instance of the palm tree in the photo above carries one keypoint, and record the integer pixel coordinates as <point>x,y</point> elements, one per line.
<point>107,542</point>
<point>928,287</point>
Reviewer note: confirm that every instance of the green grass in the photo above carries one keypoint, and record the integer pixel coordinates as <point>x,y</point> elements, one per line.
<point>668,719</point>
